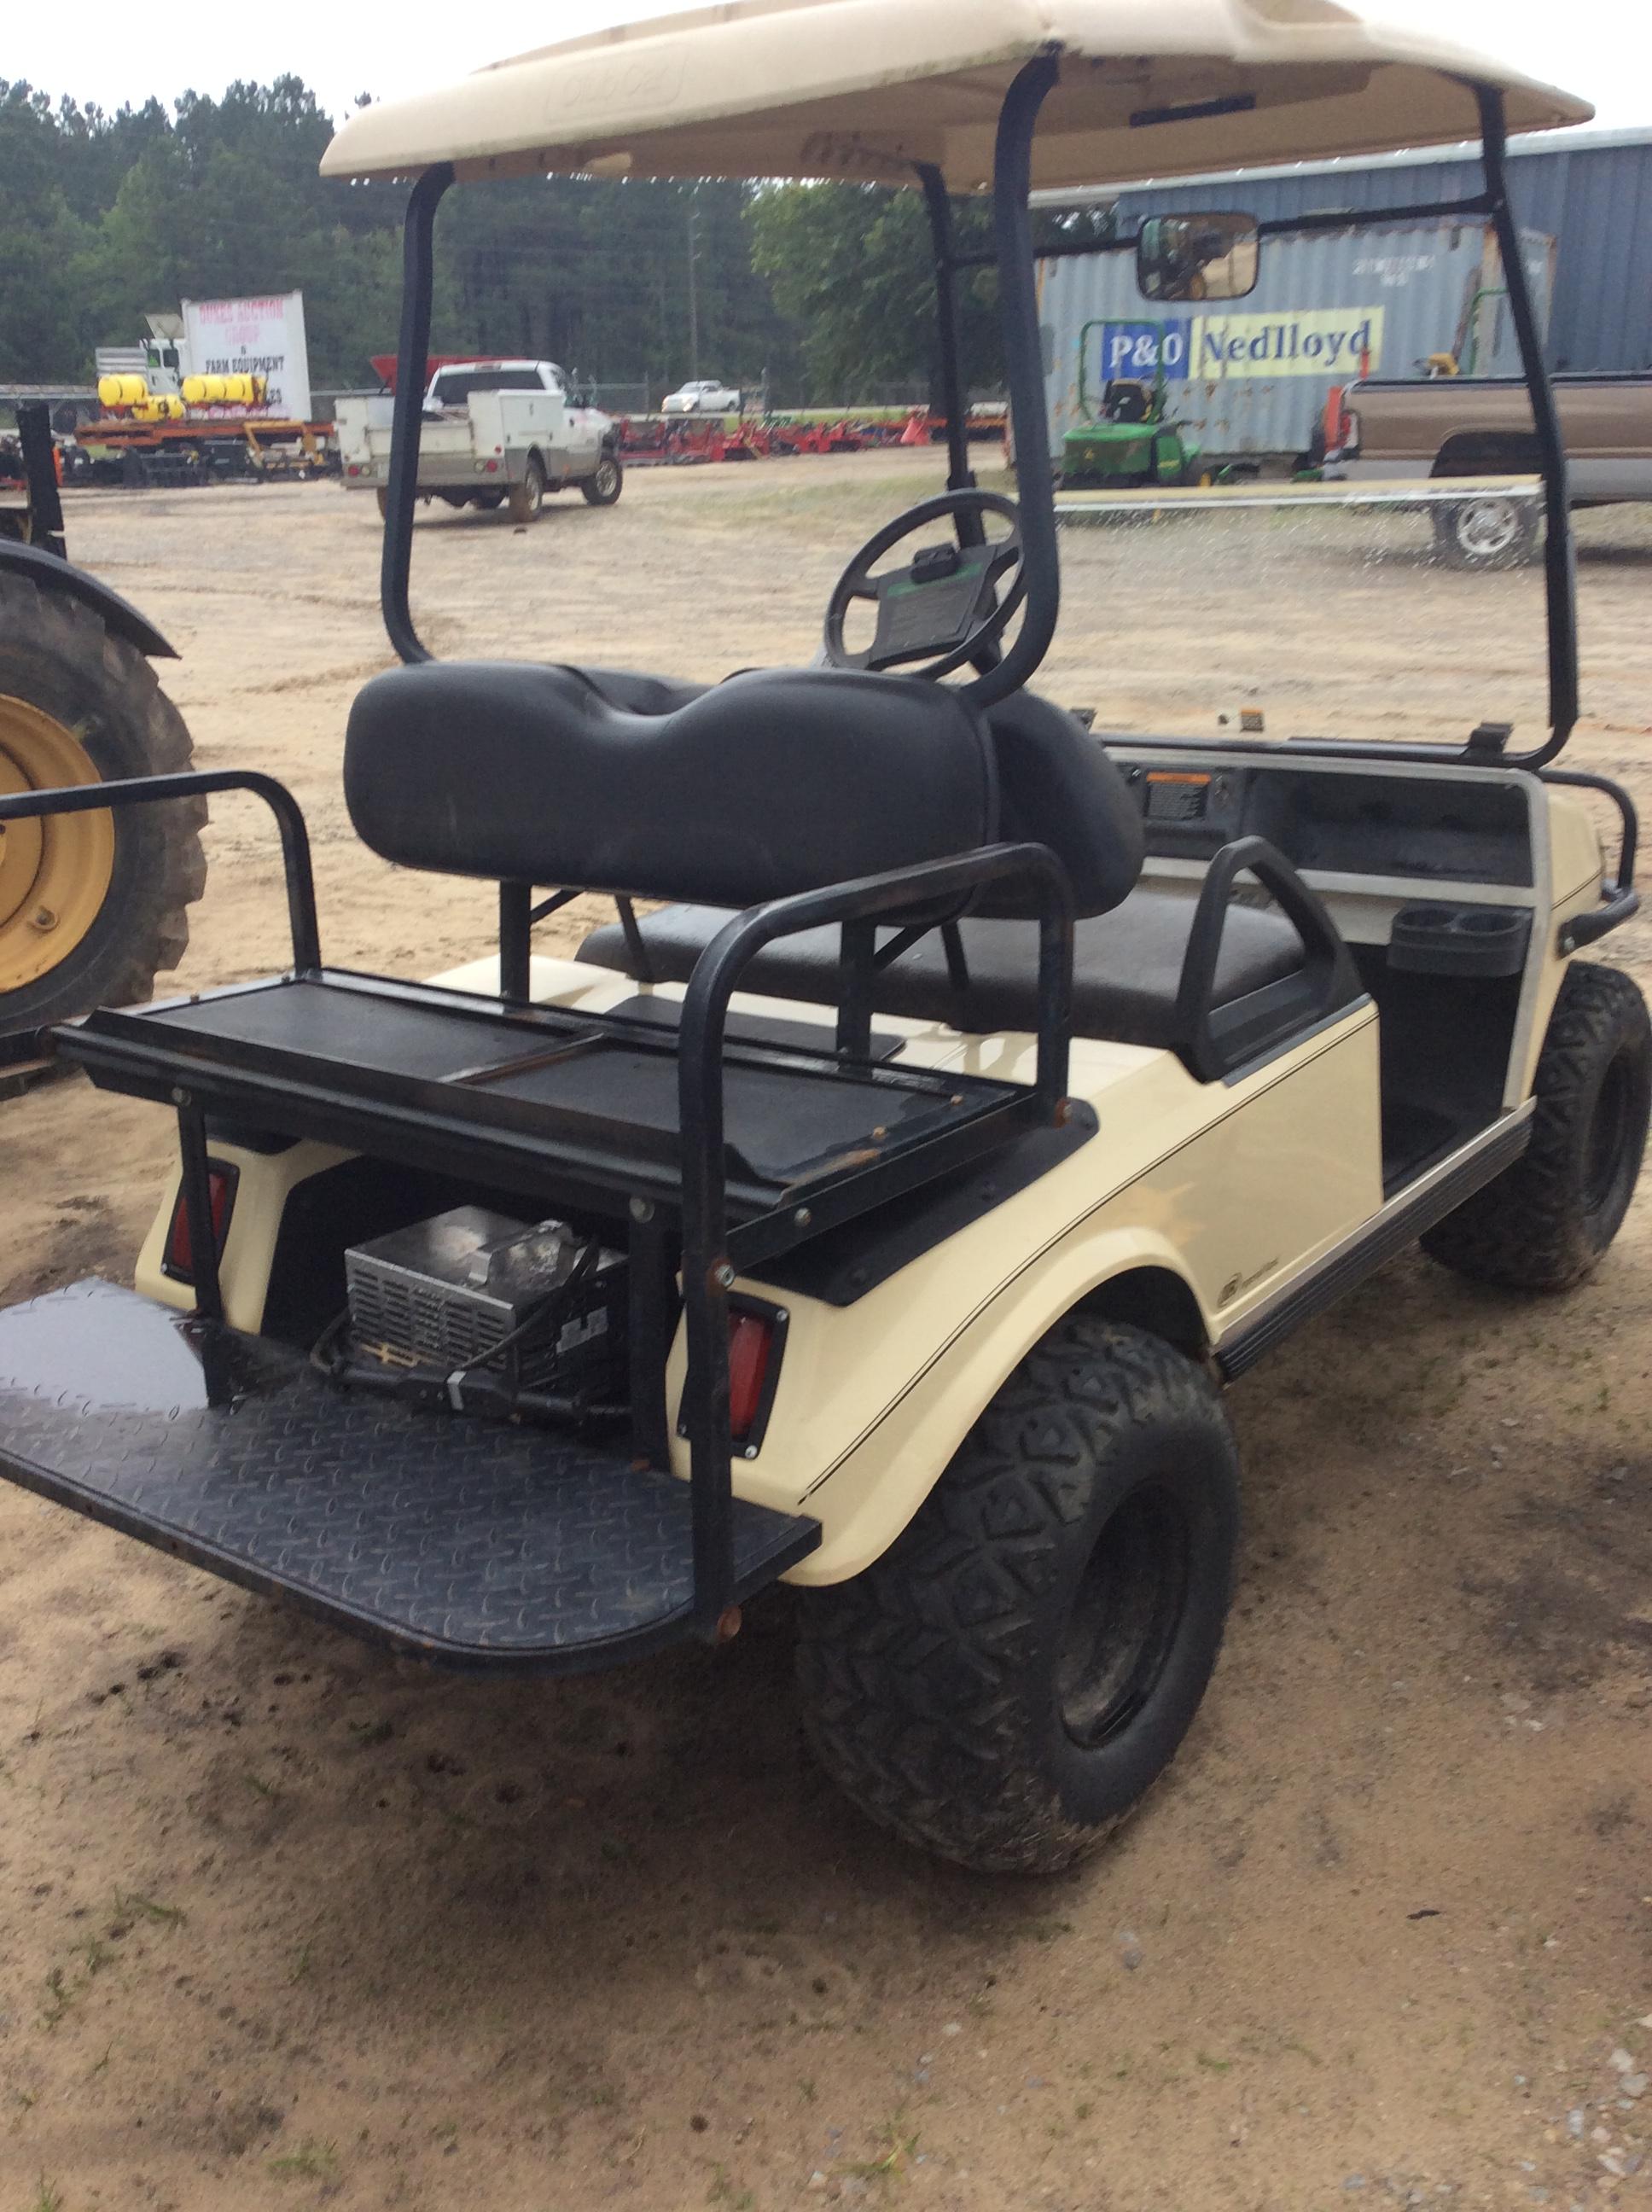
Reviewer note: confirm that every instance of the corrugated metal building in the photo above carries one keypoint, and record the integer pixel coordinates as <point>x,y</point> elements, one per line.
<point>1251,376</point>
<point>1588,191</point>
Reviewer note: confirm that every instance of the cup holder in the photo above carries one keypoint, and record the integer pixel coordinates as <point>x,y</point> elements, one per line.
<point>1460,940</point>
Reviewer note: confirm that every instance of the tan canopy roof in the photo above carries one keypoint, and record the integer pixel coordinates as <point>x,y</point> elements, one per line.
<point>863,88</point>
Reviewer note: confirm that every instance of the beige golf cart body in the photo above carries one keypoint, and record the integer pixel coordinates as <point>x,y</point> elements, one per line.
<point>1211,1210</point>
<point>1201,1208</point>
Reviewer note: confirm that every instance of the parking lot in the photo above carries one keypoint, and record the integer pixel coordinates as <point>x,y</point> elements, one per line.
<point>285,1921</point>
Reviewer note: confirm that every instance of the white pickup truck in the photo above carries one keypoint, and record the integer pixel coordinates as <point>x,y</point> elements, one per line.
<point>494,433</point>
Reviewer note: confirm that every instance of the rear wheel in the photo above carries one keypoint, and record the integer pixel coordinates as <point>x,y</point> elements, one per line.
<point>1487,532</point>
<point>1544,1223</point>
<point>604,487</point>
<point>1007,1683</point>
<point>92,906</point>
<point>528,497</point>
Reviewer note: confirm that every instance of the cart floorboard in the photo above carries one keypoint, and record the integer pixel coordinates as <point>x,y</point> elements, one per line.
<point>476,1544</point>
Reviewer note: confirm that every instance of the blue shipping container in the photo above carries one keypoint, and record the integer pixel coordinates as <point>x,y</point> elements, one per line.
<point>1252,376</point>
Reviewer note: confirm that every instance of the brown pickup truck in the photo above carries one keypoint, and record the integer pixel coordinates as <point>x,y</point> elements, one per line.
<point>1474,426</point>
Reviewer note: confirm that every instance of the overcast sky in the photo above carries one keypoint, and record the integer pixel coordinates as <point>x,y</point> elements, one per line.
<point>123,51</point>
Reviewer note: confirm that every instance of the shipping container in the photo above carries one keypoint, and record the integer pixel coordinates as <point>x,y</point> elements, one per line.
<point>1588,190</point>
<point>1251,377</point>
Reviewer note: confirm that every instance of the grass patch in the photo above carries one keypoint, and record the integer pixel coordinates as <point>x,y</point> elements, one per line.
<point>60,1998</point>
<point>129,1905</point>
<point>310,2161</point>
<point>897,2158</point>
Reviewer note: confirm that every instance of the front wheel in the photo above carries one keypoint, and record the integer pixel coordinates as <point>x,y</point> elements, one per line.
<point>1487,531</point>
<point>1544,1224</point>
<point>1004,1685</point>
<point>604,487</point>
<point>528,497</point>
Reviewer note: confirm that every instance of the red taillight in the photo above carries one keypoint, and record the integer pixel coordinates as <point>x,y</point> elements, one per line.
<point>492,467</point>
<point>751,1337</point>
<point>180,1260</point>
<point>354,469</point>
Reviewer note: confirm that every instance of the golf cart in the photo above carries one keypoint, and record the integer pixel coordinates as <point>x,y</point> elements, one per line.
<point>885,1212</point>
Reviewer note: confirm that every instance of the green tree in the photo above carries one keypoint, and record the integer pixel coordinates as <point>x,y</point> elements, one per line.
<point>851,266</point>
<point>106,218</point>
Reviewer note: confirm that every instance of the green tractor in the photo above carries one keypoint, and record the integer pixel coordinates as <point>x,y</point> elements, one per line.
<point>1126,440</point>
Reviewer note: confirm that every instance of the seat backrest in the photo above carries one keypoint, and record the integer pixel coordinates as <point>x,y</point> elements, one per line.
<point>1057,788</point>
<point>775,782</point>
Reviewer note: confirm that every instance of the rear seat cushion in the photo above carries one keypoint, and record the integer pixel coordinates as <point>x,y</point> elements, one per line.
<point>775,782</point>
<point>1127,966</point>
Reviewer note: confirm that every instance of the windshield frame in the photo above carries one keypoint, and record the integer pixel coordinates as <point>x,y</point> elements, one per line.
<point>1012,255</point>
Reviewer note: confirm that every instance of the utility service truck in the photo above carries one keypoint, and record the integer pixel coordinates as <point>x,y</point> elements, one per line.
<point>493,434</point>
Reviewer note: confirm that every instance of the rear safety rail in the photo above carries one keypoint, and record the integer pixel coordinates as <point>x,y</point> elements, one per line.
<point>708,1273</point>
<point>200,783</point>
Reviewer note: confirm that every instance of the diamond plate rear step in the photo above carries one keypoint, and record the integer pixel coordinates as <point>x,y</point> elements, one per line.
<point>475,1544</point>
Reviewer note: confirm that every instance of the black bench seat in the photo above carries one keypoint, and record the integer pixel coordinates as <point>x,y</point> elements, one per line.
<point>1127,966</point>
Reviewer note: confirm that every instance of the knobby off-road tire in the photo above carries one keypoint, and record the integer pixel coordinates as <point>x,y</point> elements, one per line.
<point>606,486</point>
<point>112,892</point>
<point>1543,1223</point>
<point>528,497</point>
<point>1004,1685</point>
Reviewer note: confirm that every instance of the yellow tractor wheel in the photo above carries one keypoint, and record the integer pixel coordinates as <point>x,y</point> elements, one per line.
<point>54,874</point>
<point>93,906</point>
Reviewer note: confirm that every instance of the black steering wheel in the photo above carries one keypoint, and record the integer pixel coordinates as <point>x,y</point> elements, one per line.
<point>945,606</point>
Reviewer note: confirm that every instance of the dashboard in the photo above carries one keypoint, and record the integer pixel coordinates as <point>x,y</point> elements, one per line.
<point>1392,824</point>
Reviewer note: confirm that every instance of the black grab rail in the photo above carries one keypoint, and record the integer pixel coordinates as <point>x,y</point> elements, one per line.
<point>708,1274</point>
<point>1619,900</point>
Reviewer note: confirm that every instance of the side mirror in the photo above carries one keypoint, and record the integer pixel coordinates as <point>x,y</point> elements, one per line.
<point>1197,256</point>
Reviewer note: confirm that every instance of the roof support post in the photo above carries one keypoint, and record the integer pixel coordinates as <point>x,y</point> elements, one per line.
<point>1559,557</point>
<point>937,201</point>
<point>1023,364</point>
<point>412,351</point>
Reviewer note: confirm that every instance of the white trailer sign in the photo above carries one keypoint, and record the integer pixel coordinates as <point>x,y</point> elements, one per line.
<point>262,336</point>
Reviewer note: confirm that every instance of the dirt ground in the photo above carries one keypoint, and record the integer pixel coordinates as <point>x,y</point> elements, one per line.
<point>284,1922</point>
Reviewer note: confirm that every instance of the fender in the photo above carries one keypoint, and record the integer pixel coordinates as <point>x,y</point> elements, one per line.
<point>120,616</point>
<point>866,1498</point>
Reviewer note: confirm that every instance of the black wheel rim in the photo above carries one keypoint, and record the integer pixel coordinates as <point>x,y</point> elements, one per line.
<point>1609,1138</point>
<point>1125,1613</point>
